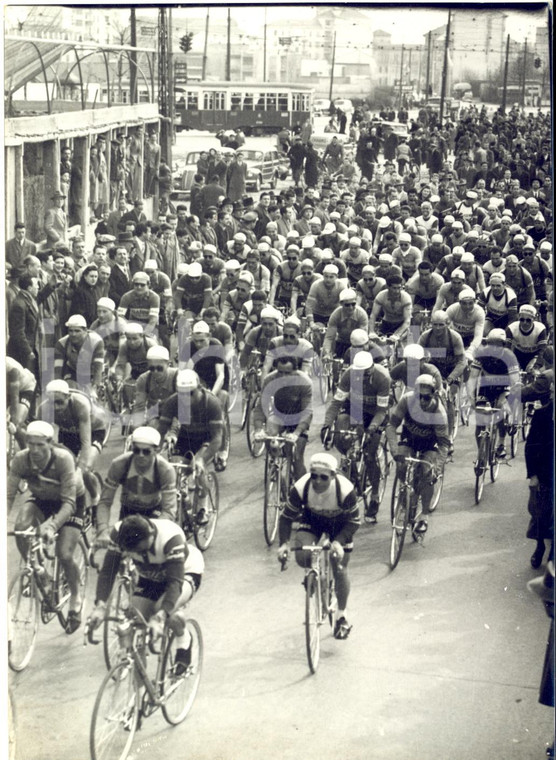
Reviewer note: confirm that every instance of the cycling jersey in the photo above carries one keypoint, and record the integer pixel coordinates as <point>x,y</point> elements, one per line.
<point>369,291</point>
<point>344,325</point>
<point>153,388</point>
<point>111,333</point>
<point>302,285</point>
<point>282,278</point>
<point>199,414</point>
<point>446,296</point>
<point>136,356</point>
<point>205,360</point>
<point>540,272</point>
<point>407,260</point>
<point>498,368</point>
<point>190,293</point>
<point>424,291</point>
<point>360,394</point>
<point>287,399</point>
<point>497,307</point>
<point>322,300</point>
<point>139,307</point>
<point>408,372</point>
<point>354,265</point>
<point>470,325</point>
<point>522,285</point>
<point>526,345</point>
<point>393,309</point>
<point>422,431</point>
<point>78,363</point>
<point>445,351</point>
<point>302,351</point>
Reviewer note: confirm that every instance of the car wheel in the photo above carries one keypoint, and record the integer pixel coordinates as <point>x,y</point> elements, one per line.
<point>273,182</point>
<point>258,183</point>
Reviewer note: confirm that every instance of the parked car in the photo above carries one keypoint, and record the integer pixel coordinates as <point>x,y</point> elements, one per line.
<point>321,140</point>
<point>321,106</point>
<point>386,127</point>
<point>264,167</point>
<point>344,104</point>
<point>185,169</point>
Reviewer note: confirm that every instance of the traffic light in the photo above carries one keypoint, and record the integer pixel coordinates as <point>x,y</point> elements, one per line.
<point>186,42</point>
<point>538,63</point>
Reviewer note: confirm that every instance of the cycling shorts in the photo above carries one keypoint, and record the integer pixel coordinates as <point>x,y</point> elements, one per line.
<point>72,441</point>
<point>49,508</point>
<point>153,590</point>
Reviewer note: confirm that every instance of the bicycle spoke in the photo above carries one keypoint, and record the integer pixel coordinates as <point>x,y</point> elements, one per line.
<point>312,621</point>
<point>115,714</point>
<point>180,689</point>
<point>23,620</point>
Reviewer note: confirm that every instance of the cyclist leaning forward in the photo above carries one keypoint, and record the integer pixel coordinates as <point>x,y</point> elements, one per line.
<point>323,501</point>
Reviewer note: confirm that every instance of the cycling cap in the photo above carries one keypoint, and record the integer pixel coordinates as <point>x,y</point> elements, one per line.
<point>58,386</point>
<point>76,320</point>
<point>405,237</point>
<point>195,245</point>
<point>315,220</point>
<point>368,269</point>
<point>234,263</point>
<point>520,200</point>
<point>292,235</point>
<point>200,328</point>
<point>187,380</point>
<point>440,316</point>
<point>414,351</point>
<point>362,360</point>
<point>347,295</point>
<point>496,334</point>
<point>307,264</point>
<point>458,249</point>
<point>531,202</point>
<point>528,247</point>
<point>308,242</point>
<point>39,429</point>
<point>466,293</point>
<point>457,225</point>
<point>269,312</point>
<point>471,194</point>
<point>457,274</point>
<point>335,215</point>
<point>355,241</point>
<point>512,259</point>
<point>327,254</point>
<point>150,264</point>
<point>330,269</point>
<point>449,219</point>
<point>262,248</point>
<point>141,277</point>
<point>247,277</point>
<point>323,461</point>
<point>158,353</point>
<point>182,268</point>
<point>497,277</point>
<point>146,435</point>
<point>519,238</point>
<point>353,228</point>
<point>529,310</point>
<point>293,247</point>
<point>239,237</point>
<point>195,269</point>
<point>358,337</point>
<point>425,379</point>
<point>546,245</point>
<point>293,321</point>
<point>271,226</point>
<point>515,229</point>
<point>384,222</point>
<point>329,229</point>
<point>385,258</point>
<point>106,303</point>
<point>437,238</point>
<point>133,328</point>
<point>210,248</point>
<point>472,235</point>
<point>467,258</point>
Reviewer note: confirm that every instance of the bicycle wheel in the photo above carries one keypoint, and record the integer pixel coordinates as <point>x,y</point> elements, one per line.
<point>179,691</point>
<point>399,525</point>
<point>383,463</point>
<point>463,404</point>
<point>272,499</point>
<point>62,590</point>
<point>493,460</point>
<point>256,448</point>
<point>246,402</point>
<point>204,534</point>
<point>115,714</point>
<point>23,620</point>
<point>118,602</point>
<point>513,433</point>
<point>312,621</point>
<point>436,492</point>
<point>234,386</point>
<point>528,411</point>
<point>481,468</point>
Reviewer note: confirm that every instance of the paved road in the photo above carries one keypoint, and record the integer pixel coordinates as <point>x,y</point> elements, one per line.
<point>444,659</point>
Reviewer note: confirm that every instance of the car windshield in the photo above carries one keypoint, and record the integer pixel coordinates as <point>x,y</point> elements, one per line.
<point>192,158</point>
<point>252,155</point>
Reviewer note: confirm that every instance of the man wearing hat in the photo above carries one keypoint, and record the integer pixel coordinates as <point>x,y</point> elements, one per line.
<point>283,277</point>
<point>499,303</point>
<point>323,501</point>
<point>406,255</point>
<point>110,328</point>
<point>303,224</point>
<point>193,292</point>
<point>527,338</point>
<point>247,227</point>
<point>79,355</point>
<point>141,304</point>
<point>354,258</point>
<point>519,280</point>
<point>347,317</point>
<point>55,221</point>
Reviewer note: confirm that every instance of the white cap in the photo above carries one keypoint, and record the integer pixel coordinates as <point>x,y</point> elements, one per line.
<point>141,277</point>
<point>58,386</point>
<point>457,225</point>
<point>531,201</point>
<point>526,308</point>
<point>133,328</point>
<point>347,295</point>
<point>546,245</point>
<point>158,353</point>
<point>368,269</point>
<point>247,277</point>
<point>39,429</point>
<point>182,268</point>
<point>200,328</point>
<point>405,237</point>
<point>306,263</point>
<point>323,461</point>
<point>497,277</point>
<point>362,360</point>
<point>467,258</point>
<point>458,249</point>
<point>150,264</point>
<point>187,380</point>
<point>315,220</point>
<point>262,247</point>
<point>414,351</point>
<point>425,379</point>
<point>269,312</point>
<point>520,200</point>
<point>437,238</point>
<point>234,263</point>
<point>308,242</point>
<point>76,320</point>
<point>210,248</point>
<point>239,237</point>
<point>384,222</point>
<point>195,245</point>
<point>385,258</point>
<point>466,293</point>
<point>457,274</point>
<point>329,229</point>
<point>330,269</point>
<point>106,303</point>
<point>355,241</point>
<point>496,334</point>
<point>195,269</point>
<point>146,435</point>
<point>358,337</point>
<point>440,316</point>
<point>449,219</point>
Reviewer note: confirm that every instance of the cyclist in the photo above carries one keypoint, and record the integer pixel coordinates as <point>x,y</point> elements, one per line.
<point>250,315</point>
<point>82,428</point>
<point>283,278</point>
<point>423,286</point>
<point>285,405</point>
<point>193,292</point>
<point>290,343</point>
<point>368,287</point>
<point>153,386</point>
<point>361,399</point>
<point>260,337</point>
<point>424,431</point>
<point>192,421</point>
<point>20,387</point>
<point>527,337</point>
<point>395,305</point>
<point>79,356</point>
<point>414,364</point>
<point>147,480</point>
<point>499,302</point>
<point>323,296</point>
<point>133,351</point>
<point>110,327</point>
<point>236,298</point>
<point>519,280</point>
<point>494,372</point>
<point>141,304</point>
<point>56,502</point>
<point>169,574</point>
<point>323,501</point>
<point>468,319</point>
<point>448,293</point>
<point>301,287</point>
<point>343,320</point>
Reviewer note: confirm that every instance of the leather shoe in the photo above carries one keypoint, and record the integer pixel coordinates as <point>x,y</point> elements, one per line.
<point>536,558</point>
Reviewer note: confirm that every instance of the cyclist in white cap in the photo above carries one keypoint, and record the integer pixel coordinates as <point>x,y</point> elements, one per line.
<point>301,286</point>
<point>133,352</point>
<point>283,277</point>
<point>147,480</point>
<point>468,319</point>
<point>110,327</point>
<point>159,283</point>
<point>55,500</point>
<point>79,356</point>
<point>348,316</point>
<point>153,386</point>
<point>323,501</point>
<point>499,302</point>
<point>141,304</point>
<point>193,292</point>
<point>324,296</point>
<point>260,337</point>
<point>527,338</point>
<point>290,343</point>
<point>368,287</point>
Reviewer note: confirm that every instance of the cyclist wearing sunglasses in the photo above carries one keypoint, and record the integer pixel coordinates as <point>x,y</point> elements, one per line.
<point>368,287</point>
<point>499,302</point>
<point>527,337</point>
<point>153,386</point>
<point>141,305</point>
<point>148,483</point>
<point>348,316</point>
<point>424,431</point>
<point>283,277</point>
<point>323,501</point>
<point>395,305</point>
<point>290,343</point>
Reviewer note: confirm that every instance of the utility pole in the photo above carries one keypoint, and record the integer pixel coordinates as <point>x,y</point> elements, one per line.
<point>445,69</point>
<point>428,74</point>
<point>332,68</point>
<point>164,84</point>
<point>401,76</point>
<point>505,85</point>
<point>229,49</point>
<point>524,73</point>
<point>204,72</point>
<point>133,57</point>
<point>264,47</point>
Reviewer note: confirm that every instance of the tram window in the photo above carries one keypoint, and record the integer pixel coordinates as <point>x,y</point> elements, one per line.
<point>296,101</point>
<point>236,101</point>
<point>259,102</point>
<point>271,101</point>
<point>219,101</point>
<point>208,101</point>
<point>248,102</point>
<point>283,101</point>
<point>305,102</point>
<point>192,100</point>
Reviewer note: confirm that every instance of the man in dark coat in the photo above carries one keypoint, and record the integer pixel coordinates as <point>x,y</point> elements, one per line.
<point>23,325</point>
<point>19,247</point>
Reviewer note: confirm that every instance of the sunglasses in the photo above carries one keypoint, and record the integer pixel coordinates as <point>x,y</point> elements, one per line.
<point>292,258</point>
<point>525,319</point>
<point>349,305</point>
<point>209,256</point>
<point>268,324</point>
<point>59,402</point>
<point>425,396</point>
<point>319,476</point>
<point>369,279</point>
<point>139,450</point>
<point>139,285</point>
<point>437,324</point>
<point>290,336</point>
<point>156,368</point>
